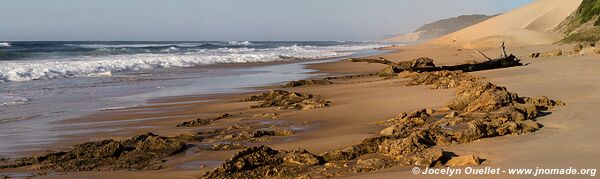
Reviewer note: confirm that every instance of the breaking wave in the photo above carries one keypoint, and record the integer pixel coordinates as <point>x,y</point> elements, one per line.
<point>242,43</point>
<point>26,70</point>
<point>4,44</point>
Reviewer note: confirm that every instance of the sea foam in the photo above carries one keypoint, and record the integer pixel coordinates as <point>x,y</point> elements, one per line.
<point>240,43</point>
<point>93,66</point>
<point>12,100</point>
<point>4,44</point>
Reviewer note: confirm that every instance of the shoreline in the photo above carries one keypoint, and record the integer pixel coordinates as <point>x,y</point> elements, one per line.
<point>360,103</point>
<point>172,102</point>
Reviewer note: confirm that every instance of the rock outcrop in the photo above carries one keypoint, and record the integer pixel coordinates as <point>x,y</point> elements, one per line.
<point>288,100</point>
<point>202,122</point>
<point>264,162</point>
<point>461,161</point>
<point>140,152</point>
<point>314,82</point>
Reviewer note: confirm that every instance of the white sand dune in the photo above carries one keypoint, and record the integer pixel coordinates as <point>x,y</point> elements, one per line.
<point>528,25</point>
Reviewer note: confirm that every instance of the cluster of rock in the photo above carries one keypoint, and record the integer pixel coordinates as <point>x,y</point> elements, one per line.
<point>288,100</point>
<point>140,152</point>
<point>314,82</point>
<point>479,110</point>
<point>234,135</point>
<point>202,121</point>
<point>578,49</point>
<point>437,80</point>
<point>264,162</point>
<point>589,49</point>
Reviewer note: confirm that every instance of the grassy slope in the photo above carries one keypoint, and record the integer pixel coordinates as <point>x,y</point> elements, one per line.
<point>589,10</point>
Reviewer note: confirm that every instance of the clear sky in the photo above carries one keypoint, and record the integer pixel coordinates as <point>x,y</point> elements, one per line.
<point>228,19</point>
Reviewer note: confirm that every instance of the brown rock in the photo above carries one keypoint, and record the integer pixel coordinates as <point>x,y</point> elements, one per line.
<point>203,122</point>
<point>461,161</point>
<point>267,115</point>
<point>314,82</point>
<point>577,48</point>
<point>140,152</point>
<point>365,165</point>
<point>264,162</point>
<point>303,158</point>
<point>552,53</point>
<point>451,114</point>
<point>288,100</point>
<point>388,131</point>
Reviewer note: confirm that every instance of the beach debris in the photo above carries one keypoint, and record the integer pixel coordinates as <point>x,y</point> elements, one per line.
<point>262,161</point>
<point>288,100</point>
<point>425,64</point>
<point>461,161</point>
<point>140,152</point>
<point>202,121</point>
<point>394,67</point>
<point>313,82</point>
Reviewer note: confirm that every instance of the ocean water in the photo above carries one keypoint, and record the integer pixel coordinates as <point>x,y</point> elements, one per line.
<point>26,61</point>
<point>45,82</point>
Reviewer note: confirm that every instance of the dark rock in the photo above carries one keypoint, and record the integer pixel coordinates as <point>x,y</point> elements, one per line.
<point>264,162</point>
<point>140,152</point>
<point>202,122</point>
<point>288,100</point>
<point>314,82</point>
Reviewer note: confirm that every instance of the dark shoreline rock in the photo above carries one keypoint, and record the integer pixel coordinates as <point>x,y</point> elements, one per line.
<point>140,152</point>
<point>288,100</point>
<point>262,161</point>
<point>314,82</point>
<point>203,122</point>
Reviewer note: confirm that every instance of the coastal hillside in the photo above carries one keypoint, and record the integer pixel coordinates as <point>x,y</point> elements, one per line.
<point>439,28</point>
<point>532,24</point>
<point>583,25</point>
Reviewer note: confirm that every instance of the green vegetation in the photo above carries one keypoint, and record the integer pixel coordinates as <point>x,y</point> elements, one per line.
<point>587,35</point>
<point>588,10</point>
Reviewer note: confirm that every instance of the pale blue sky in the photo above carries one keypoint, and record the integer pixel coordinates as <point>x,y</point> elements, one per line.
<point>228,19</point>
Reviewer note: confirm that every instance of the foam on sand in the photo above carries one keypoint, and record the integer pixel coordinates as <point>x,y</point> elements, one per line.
<point>528,25</point>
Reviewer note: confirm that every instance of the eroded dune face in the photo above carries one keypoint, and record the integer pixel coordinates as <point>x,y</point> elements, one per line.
<point>529,25</point>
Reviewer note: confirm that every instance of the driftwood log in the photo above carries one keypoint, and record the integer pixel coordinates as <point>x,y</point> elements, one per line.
<point>426,64</point>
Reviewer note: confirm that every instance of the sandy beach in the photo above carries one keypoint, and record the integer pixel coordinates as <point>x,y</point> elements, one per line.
<point>356,103</point>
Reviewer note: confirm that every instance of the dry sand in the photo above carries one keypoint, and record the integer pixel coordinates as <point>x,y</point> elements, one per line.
<point>529,25</point>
